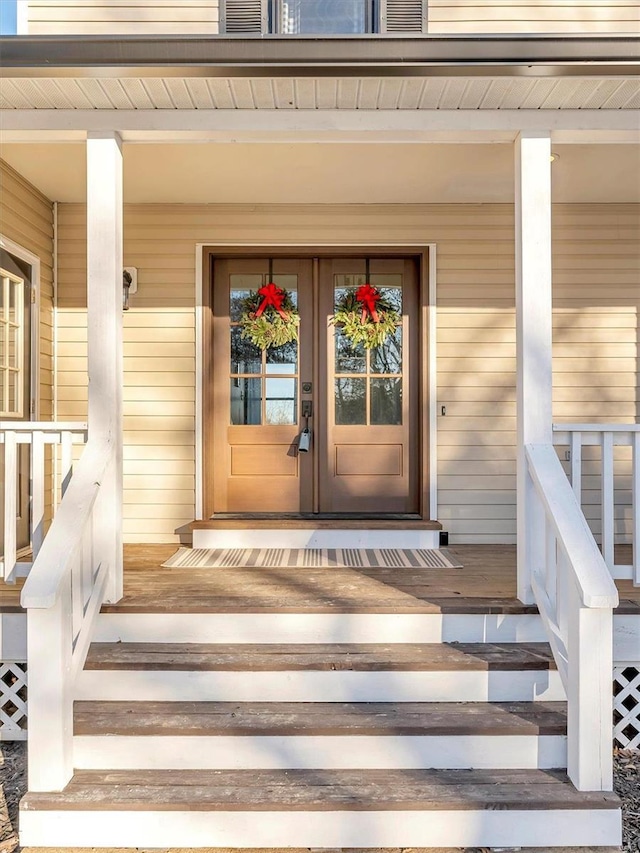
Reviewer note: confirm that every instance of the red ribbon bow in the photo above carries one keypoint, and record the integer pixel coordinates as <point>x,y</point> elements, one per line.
<point>274,296</point>
<point>368,295</point>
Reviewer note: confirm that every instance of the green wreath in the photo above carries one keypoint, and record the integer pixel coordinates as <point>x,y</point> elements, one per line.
<point>269,318</point>
<point>366,317</point>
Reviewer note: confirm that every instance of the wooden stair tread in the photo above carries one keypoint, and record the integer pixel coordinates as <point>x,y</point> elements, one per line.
<point>318,790</point>
<point>320,657</point>
<point>319,718</point>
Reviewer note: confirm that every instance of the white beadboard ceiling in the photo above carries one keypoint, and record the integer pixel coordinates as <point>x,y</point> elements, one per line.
<point>384,93</point>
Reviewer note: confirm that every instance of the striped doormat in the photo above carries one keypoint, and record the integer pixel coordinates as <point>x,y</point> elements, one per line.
<point>316,558</point>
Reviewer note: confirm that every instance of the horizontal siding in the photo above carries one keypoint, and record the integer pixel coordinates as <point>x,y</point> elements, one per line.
<point>579,17</point>
<point>123,17</point>
<point>596,298</point>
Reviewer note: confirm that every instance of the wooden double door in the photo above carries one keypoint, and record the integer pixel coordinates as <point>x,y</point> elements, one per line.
<point>361,406</point>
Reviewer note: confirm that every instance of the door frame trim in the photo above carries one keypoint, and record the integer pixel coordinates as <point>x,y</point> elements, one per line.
<point>426,252</point>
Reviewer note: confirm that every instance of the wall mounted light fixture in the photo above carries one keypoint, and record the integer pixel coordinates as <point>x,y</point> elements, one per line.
<point>129,285</point>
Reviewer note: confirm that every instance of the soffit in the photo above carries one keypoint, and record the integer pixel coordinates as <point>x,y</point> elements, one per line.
<point>320,93</point>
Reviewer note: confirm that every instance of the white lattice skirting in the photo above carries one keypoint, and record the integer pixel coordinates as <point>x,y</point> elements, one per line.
<point>626,707</point>
<point>13,701</point>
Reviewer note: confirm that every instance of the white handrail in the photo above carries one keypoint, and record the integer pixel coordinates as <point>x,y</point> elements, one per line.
<point>619,513</point>
<point>32,437</point>
<point>63,595</point>
<point>575,595</point>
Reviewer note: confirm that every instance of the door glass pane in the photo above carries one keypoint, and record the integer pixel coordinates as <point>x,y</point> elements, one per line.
<point>390,287</point>
<point>245,357</point>
<point>386,401</point>
<point>351,401</point>
<point>324,16</point>
<point>349,358</point>
<point>283,359</point>
<point>280,403</point>
<point>388,357</point>
<point>246,401</point>
<point>289,283</point>
<point>241,287</point>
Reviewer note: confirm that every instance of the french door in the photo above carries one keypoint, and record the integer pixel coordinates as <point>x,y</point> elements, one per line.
<point>361,406</point>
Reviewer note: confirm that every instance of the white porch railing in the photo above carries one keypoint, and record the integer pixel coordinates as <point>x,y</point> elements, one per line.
<point>63,595</point>
<point>615,503</point>
<point>38,435</point>
<point>575,595</point>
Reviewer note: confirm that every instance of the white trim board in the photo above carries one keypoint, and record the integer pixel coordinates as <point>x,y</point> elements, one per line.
<point>351,829</point>
<point>201,279</point>
<point>319,686</point>
<point>294,752</point>
<point>419,126</point>
<point>283,628</point>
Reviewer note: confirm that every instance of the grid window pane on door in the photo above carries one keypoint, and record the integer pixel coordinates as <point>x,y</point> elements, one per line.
<point>368,383</point>
<point>263,383</point>
<point>12,293</point>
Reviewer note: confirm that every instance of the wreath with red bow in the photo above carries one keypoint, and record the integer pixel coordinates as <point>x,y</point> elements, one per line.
<point>365,317</point>
<point>269,317</point>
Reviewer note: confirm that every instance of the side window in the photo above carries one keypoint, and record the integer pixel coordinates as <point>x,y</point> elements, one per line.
<point>328,17</point>
<point>12,342</point>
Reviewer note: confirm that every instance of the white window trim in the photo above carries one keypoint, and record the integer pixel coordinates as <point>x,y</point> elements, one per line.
<point>201,280</point>
<point>34,262</point>
<point>22,17</point>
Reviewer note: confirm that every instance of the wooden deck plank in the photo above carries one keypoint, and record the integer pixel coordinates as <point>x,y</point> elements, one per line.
<point>320,657</point>
<point>319,790</point>
<point>485,584</point>
<point>272,719</point>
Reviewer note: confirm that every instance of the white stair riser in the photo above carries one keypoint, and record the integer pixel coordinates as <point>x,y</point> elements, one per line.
<point>317,628</point>
<point>352,829</point>
<point>329,538</point>
<point>464,752</point>
<point>347,686</point>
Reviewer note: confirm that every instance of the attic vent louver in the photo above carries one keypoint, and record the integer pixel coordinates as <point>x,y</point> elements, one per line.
<point>244,16</point>
<point>403,16</point>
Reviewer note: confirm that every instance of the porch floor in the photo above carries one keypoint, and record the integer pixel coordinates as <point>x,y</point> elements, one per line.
<point>486,583</point>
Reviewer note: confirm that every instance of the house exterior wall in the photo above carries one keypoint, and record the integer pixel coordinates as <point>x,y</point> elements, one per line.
<point>450,17</point>
<point>596,338</point>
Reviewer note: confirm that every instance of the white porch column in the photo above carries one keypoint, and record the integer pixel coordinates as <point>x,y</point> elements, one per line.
<point>533,335</point>
<point>104,322</point>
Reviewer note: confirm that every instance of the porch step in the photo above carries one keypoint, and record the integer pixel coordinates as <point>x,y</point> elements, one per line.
<point>315,533</point>
<point>447,672</point>
<point>231,735</point>
<point>319,808</point>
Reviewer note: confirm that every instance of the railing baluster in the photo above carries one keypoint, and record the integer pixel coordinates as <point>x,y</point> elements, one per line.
<point>67,461</point>
<point>576,464</point>
<point>607,498</point>
<point>37,491</point>
<point>10,505</point>
<point>635,509</point>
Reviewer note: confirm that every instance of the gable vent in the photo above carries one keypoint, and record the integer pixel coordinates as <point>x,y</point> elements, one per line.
<point>244,16</point>
<point>403,16</point>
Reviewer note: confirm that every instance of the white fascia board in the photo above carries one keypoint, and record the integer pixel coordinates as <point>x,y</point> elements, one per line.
<point>586,126</point>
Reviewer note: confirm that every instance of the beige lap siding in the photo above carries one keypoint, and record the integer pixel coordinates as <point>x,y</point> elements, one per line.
<point>26,217</point>
<point>123,17</point>
<point>451,17</point>
<point>455,17</point>
<point>596,258</point>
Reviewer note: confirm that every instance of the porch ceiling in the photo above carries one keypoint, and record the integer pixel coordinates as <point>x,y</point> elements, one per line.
<point>325,173</point>
<point>469,92</point>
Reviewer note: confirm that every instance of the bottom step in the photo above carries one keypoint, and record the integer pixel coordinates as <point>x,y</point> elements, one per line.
<point>320,808</point>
